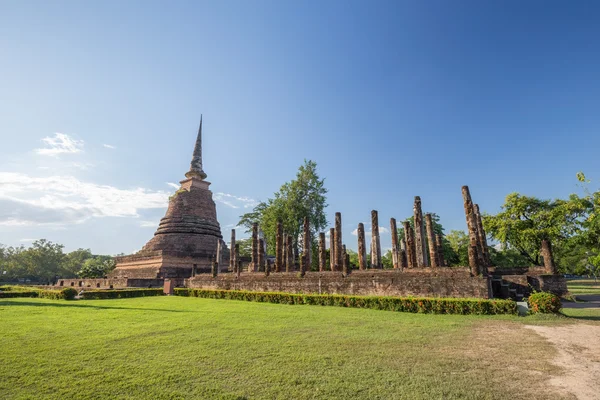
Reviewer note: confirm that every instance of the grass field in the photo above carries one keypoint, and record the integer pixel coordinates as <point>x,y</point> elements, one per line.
<point>176,347</point>
<point>583,286</point>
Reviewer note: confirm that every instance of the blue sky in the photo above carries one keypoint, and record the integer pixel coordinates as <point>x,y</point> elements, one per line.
<point>100,102</point>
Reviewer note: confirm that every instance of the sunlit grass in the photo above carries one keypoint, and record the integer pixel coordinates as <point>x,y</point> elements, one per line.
<point>177,347</point>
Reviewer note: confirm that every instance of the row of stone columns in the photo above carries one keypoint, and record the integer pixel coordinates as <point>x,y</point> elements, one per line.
<point>284,253</point>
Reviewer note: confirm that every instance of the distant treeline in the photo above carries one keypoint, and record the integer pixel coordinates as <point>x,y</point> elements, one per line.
<point>44,262</point>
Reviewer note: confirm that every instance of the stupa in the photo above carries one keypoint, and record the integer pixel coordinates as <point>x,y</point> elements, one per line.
<point>188,238</point>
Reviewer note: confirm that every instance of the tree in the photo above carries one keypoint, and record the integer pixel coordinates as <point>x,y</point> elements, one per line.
<point>525,221</point>
<point>295,200</point>
<point>97,267</point>
<point>507,257</point>
<point>42,261</point>
<point>245,247</point>
<point>458,248</point>
<point>73,262</point>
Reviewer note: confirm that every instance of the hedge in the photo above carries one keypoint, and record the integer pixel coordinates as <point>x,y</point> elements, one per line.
<point>120,294</point>
<point>402,304</point>
<point>64,294</point>
<point>11,294</point>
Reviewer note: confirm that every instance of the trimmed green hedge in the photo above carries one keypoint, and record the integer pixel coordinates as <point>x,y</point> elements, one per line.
<point>11,294</point>
<point>120,294</point>
<point>403,304</point>
<point>64,294</point>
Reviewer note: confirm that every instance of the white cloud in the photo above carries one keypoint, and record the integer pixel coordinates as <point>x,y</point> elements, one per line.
<point>148,224</point>
<point>234,201</point>
<point>60,144</point>
<point>81,166</point>
<point>382,231</point>
<point>109,146</point>
<point>173,185</point>
<point>27,240</point>
<point>62,200</point>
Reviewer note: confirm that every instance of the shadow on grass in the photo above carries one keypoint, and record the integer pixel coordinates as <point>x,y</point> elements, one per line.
<point>67,303</point>
<point>584,317</point>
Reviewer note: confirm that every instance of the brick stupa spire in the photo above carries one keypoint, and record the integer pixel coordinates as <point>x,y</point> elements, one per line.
<point>196,164</point>
<point>187,236</point>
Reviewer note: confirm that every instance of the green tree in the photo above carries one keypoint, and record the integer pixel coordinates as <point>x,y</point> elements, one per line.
<point>299,198</point>
<point>458,246</point>
<point>41,262</point>
<point>506,257</point>
<point>387,260</point>
<point>96,267</point>
<point>245,247</point>
<point>525,221</point>
<point>73,262</point>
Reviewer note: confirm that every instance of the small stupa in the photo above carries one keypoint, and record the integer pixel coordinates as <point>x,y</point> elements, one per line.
<point>188,238</point>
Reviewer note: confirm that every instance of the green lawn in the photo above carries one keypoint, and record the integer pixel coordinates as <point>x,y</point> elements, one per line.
<point>177,347</point>
<point>583,286</point>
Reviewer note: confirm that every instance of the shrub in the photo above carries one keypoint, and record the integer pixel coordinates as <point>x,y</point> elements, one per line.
<point>545,303</point>
<point>13,294</point>
<point>64,294</point>
<point>120,294</point>
<point>403,304</point>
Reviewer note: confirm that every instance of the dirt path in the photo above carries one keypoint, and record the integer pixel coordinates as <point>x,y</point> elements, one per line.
<point>578,348</point>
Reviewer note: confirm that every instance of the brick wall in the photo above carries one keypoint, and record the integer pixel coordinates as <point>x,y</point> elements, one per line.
<point>423,282</point>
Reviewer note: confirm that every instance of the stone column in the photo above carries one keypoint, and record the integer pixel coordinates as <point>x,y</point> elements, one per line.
<point>254,263</point>
<point>439,244</point>
<point>261,255</point>
<point>362,256</point>
<point>232,255</point>
<point>279,247</point>
<point>548,257</point>
<point>289,262</point>
<point>220,252</point>
<point>322,252</point>
<point>433,252</point>
<point>346,261</point>
<point>411,256</point>
<point>214,267</point>
<point>474,256</point>
<point>268,268</point>
<point>332,249</point>
<point>375,243</point>
<point>482,237</point>
<point>395,244</point>
<point>402,254</point>
<point>420,235</point>
<point>306,244</point>
<point>238,263</point>
<point>338,241</point>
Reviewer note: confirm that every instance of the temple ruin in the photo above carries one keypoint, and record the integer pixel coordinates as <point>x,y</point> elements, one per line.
<point>188,250</point>
<point>188,237</point>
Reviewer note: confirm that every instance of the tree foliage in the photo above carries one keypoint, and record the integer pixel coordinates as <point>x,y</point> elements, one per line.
<point>43,262</point>
<point>525,221</point>
<point>96,267</point>
<point>299,198</point>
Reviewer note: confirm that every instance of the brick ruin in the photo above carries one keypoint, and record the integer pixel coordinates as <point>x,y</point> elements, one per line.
<point>188,249</point>
<point>188,238</point>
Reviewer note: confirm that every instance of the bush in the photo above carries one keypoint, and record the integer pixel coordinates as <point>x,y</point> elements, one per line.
<point>403,304</point>
<point>64,294</point>
<point>120,294</point>
<point>22,293</point>
<point>545,303</point>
